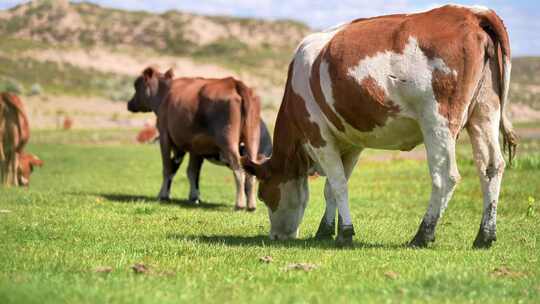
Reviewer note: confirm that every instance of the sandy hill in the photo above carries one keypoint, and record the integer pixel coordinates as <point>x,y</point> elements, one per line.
<point>91,53</point>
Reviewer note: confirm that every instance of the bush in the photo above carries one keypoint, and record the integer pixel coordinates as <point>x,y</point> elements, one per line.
<point>36,89</point>
<point>11,85</point>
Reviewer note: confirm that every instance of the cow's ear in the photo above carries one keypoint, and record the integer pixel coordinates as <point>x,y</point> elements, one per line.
<point>260,170</point>
<point>36,161</point>
<point>169,74</point>
<point>148,73</point>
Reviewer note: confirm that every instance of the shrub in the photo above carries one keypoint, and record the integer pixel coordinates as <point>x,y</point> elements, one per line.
<point>11,85</point>
<point>36,89</point>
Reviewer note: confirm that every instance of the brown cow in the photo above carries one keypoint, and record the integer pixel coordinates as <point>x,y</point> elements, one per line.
<point>206,117</point>
<point>390,82</point>
<point>14,134</point>
<point>27,162</point>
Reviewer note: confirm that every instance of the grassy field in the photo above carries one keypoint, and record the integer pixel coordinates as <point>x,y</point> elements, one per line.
<point>92,207</point>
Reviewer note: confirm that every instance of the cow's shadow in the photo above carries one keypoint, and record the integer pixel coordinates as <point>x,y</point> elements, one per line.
<point>182,203</point>
<point>264,241</point>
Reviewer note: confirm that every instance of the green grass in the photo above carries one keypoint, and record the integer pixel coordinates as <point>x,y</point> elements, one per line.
<point>92,205</point>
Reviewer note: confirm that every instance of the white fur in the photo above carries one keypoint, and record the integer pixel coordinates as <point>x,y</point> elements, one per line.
<point>477,9</point>
<point>284,221</point>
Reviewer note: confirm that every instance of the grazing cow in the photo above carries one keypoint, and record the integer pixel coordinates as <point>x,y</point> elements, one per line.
<point>209,118</point>
<point>14,134</point>
<point>148,134</point>
<point>390,82</point>
<point>27,162</point>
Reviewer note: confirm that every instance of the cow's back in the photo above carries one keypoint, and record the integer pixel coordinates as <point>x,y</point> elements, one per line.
<point>368,80</point>
<point>197,111</point>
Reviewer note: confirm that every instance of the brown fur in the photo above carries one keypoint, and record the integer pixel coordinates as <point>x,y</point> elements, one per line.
<point>27,162</point>
<point>14,134</point>
<point>293,129</point>
<point>148,134</point>
<point>204,117</point>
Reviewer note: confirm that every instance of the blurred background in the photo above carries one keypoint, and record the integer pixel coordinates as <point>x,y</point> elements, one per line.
<point>74,62</point>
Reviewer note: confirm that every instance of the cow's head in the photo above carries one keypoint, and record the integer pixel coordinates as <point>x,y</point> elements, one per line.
<point>27,162</point>
<point>150,88</point>
<point>285,197</point>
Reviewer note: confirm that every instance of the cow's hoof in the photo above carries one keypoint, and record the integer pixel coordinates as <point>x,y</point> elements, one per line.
<point>345,235</point>
<point>344,241</point>
<point>239,208</point>
<point>484,241</point>
<point>251,209</point>
<point>194,201</point>
<point>326,231</point>
<point>164,199</point>
<point>421,241</point>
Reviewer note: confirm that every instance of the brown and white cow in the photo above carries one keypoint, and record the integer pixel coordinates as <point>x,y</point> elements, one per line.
<point>14,134</point>
<point>390,82</point>
<point>208,118</point>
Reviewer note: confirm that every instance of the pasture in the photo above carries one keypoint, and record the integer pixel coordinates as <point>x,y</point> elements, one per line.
<point>90,215</point>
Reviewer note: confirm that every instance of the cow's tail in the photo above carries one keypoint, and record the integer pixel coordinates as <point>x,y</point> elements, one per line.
<point>494,27</point>
<point>251,117</point>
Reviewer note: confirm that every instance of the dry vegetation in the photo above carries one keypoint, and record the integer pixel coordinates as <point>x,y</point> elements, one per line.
<point>83,50</point>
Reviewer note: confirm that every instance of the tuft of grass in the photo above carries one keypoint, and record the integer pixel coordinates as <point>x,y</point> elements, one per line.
<point>92,206</point>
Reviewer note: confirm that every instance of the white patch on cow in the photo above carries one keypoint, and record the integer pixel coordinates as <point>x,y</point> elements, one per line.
<point>477,9</point>
<point>286,219</point>
<point>406,79</point>
<point>413,70</point>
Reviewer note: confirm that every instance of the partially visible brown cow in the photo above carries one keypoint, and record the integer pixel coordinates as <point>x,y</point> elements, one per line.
<point>148,134</point>
<point>27,162</point>
<point>208,118</point>
<point>14,134</point>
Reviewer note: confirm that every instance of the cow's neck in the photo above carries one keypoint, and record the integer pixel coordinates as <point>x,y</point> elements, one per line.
<point>157,100</point>
<point>289,159</point>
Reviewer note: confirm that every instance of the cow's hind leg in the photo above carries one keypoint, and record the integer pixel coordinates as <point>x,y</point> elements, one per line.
<point>483,129</point>
<point>250,193</point>
<point>327,226</point>
<point>440,147</point>
<point>232,157</point>
<point>194,173</point>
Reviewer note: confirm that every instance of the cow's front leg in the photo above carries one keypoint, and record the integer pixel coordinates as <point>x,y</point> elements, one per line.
<point>335,168</point>
<point>327,227</point>
<point>170,166</point>
<point>440,148</point>
<point>194,173</point>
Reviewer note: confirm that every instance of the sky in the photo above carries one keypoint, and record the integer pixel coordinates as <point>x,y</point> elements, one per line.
<point>522,17</point>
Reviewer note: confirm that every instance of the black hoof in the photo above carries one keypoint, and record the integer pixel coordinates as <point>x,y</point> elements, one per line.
<point>424,236</point>
<point>239,208</point>
<point>251,209</point>
<point>345,236</point>
<point>326,231</point>
<point>484,241</point>
<point>164,199</point>
<point>420,241</point>
<point>194,201</point>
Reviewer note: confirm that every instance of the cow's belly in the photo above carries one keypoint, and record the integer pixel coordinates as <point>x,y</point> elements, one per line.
<point>401,133</point>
